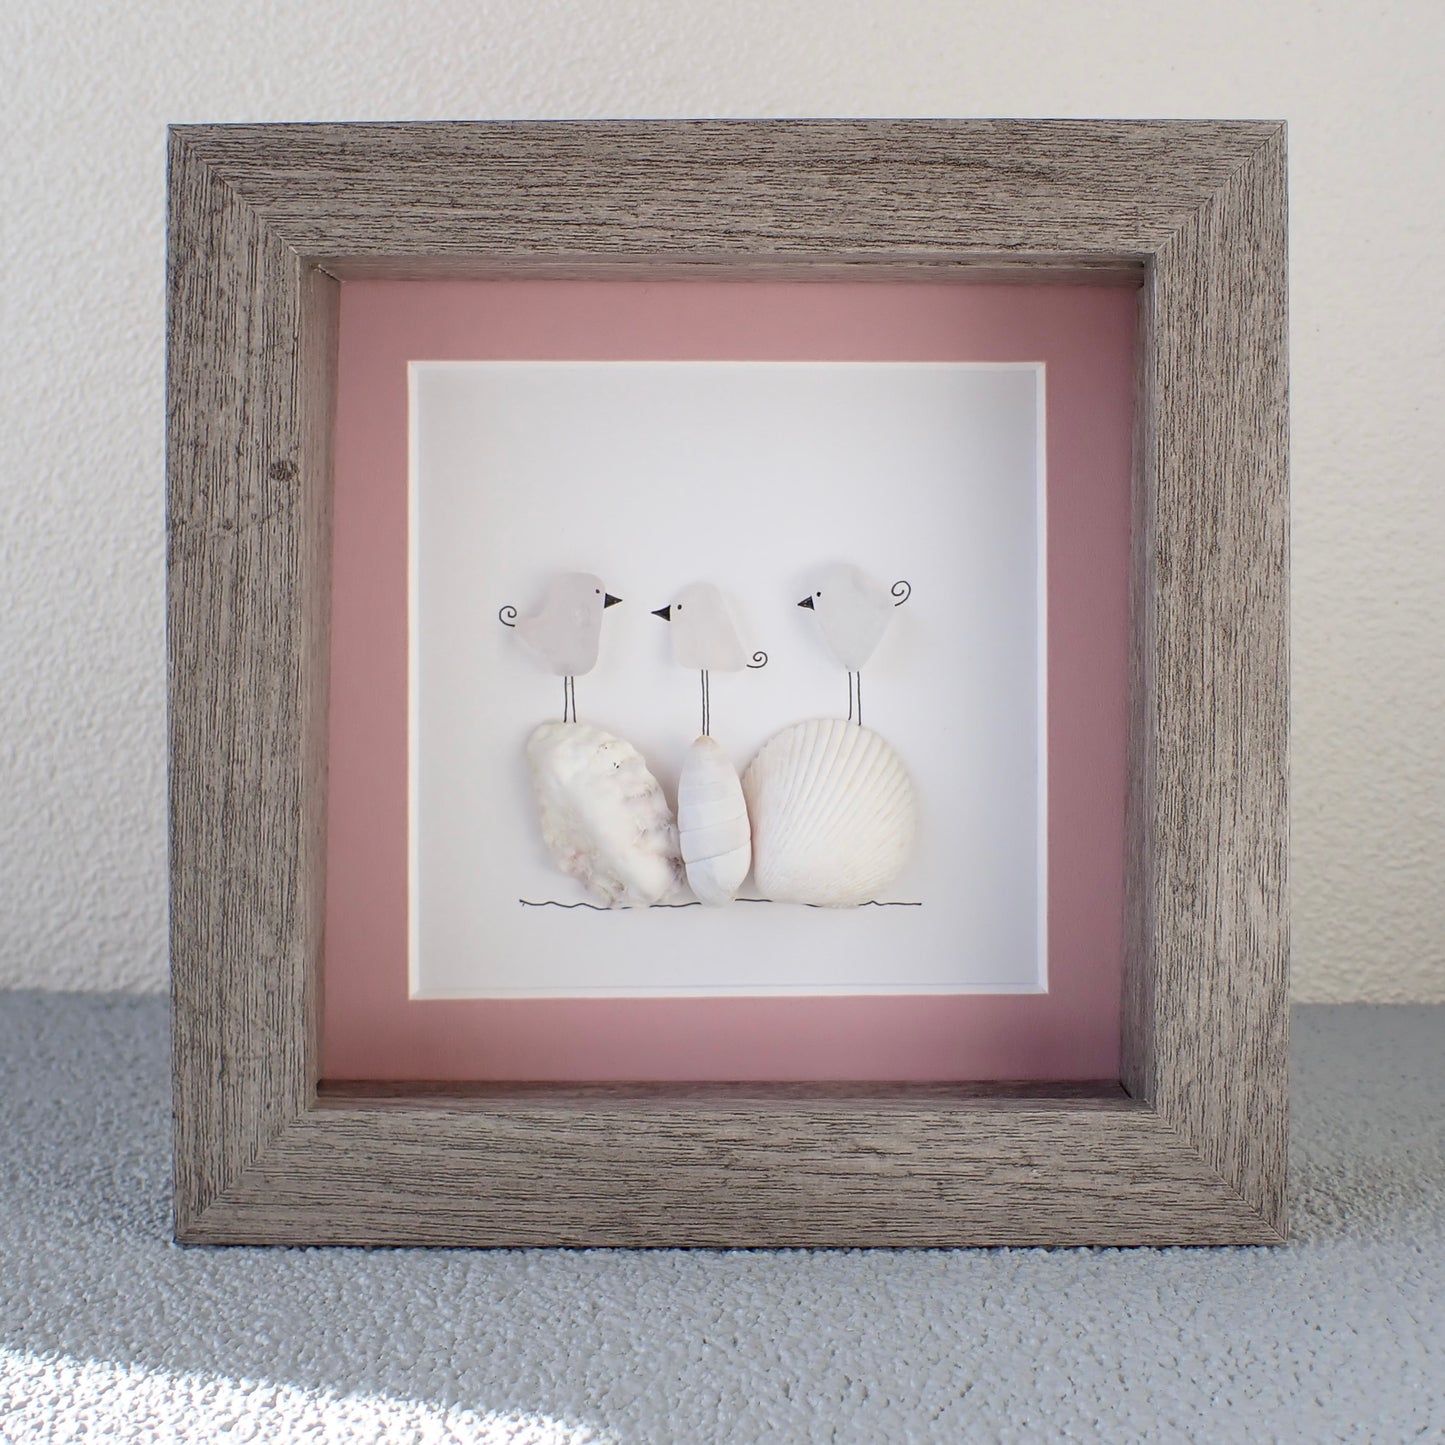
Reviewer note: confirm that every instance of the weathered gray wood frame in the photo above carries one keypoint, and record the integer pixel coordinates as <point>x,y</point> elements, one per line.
<point>1189,1145</point>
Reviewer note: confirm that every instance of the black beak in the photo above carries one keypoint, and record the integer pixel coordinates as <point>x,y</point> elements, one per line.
<point>664,612</point>
<point>807,602</point>
<point>610,601</point>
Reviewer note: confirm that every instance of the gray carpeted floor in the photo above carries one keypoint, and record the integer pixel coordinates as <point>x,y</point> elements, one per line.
<point>108,1331</point>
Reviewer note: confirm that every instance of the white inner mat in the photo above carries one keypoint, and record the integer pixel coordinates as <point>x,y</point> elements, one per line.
<point>749,475</point>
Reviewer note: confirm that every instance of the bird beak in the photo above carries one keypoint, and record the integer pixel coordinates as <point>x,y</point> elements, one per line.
<point>664,612</point>
<point>610,601</point>
<point>807,602</point>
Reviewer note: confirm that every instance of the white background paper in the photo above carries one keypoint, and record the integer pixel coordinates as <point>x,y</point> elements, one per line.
<point>748,475</point>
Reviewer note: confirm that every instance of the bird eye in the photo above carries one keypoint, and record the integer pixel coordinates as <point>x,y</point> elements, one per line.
<point>597,591</point>
<point>817,594</point>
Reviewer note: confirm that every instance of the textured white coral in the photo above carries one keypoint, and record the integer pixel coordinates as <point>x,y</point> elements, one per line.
<point>605,820</point>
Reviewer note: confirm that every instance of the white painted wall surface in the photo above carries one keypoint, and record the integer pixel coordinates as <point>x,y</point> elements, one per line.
<point>86,92</point>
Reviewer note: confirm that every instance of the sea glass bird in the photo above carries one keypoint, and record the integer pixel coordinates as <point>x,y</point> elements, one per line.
<point>566,630</point>
<point>705,638</point>
<point>853,611</point>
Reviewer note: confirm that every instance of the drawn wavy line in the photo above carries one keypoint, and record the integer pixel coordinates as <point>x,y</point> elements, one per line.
<point>629,907</point>
<point>602,907</point>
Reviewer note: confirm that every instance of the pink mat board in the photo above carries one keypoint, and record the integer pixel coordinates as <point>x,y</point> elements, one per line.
<point>1085,337</point>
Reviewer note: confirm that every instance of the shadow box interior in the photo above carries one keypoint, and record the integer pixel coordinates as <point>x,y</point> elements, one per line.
<point>968,440</point>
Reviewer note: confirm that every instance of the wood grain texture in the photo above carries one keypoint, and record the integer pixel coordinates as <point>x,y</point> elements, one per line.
<point>265,219</point>
<point>1208,846</point>
<point>248,597</point>
<point>736,192</point>
<point>996,270</point>
<point>722,1175</point>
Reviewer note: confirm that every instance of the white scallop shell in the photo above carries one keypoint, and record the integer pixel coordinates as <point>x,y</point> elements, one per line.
<point>712,823</point>
<point>833,814</point>
<point>605,820</point>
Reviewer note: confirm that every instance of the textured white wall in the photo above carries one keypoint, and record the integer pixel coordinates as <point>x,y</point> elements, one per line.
<point>86,92</point>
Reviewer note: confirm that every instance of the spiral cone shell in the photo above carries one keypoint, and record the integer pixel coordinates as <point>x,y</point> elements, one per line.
<point>712,823</point>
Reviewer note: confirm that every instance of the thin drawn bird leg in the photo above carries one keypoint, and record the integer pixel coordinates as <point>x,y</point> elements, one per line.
<point>706,709</point>
<point>859,685</point>
<point>569,699</point>
<point>850,697</point>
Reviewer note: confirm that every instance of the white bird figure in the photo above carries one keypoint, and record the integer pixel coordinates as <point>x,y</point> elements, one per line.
<point>853,611</point>
<point>705,638</point>
<point>712,815</point>
<point>566,629</point>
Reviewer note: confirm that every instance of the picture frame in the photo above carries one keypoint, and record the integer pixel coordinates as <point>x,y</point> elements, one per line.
<point>1187,1145</point>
